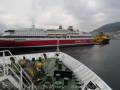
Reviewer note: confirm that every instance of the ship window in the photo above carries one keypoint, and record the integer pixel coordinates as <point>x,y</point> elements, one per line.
<point>26,36</point>
<point>80,36</point>
<point>51,36</point>
<point>59,36</point>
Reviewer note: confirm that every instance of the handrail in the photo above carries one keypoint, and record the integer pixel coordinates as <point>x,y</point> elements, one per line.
<point>14,73</point>
<point>17,76</point>
<point>28,77</point>
<point>21,71</point>
<point>3,52</point>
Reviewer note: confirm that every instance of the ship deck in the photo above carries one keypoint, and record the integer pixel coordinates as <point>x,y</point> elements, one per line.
<point>51,67</point>
<point>81,75</point>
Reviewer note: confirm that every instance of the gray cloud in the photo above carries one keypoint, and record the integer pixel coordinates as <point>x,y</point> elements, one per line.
<point>83,14</point>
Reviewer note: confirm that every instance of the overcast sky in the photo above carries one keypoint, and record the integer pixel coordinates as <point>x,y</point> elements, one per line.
<point>83,14</point>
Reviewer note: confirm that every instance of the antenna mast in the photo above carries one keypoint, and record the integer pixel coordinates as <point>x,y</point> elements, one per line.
<point>58,49</point>
<point>33,19</point>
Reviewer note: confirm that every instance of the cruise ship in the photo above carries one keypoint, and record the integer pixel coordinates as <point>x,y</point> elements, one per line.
<point>33,37</point>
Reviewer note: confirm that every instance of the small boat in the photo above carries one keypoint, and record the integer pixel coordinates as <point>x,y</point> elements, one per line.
<point>101,38</point>
<point>46,71</point>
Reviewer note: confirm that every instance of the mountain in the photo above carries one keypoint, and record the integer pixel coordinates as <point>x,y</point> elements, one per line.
<point>112,27</point>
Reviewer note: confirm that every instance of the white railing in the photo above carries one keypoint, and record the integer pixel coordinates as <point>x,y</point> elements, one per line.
<point>18,72</point>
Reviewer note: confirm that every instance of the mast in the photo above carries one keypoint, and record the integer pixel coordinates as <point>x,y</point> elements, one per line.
<point>33,26</point>
<point>58,49</point>
<point>33,14</point>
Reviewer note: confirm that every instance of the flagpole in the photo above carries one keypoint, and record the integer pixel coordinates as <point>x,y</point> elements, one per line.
<point>58,50</point>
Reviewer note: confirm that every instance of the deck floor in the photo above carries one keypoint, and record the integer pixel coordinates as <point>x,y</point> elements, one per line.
<point>50,67</point>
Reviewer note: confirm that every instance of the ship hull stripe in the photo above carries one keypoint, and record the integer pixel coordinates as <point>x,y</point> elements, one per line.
<point>13,43</point>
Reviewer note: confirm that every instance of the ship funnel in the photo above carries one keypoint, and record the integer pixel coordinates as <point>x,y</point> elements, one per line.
<point>70,28</point>
<point>60,27</point>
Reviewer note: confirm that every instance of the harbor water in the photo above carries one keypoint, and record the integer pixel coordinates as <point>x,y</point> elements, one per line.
<point>104,60</point>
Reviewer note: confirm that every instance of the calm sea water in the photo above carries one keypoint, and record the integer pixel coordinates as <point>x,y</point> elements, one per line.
<point>103,60</point>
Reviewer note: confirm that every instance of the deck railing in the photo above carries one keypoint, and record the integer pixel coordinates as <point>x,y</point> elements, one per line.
<point>9,68</point>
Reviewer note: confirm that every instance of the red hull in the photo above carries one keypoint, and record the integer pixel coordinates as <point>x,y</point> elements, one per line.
<point>44,43</point>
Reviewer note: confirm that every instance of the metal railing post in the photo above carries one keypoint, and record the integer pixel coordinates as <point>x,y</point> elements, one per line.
<point>21,78</point>
<point>7,69</point>
<point>32,87</point>
<point>4,70</point>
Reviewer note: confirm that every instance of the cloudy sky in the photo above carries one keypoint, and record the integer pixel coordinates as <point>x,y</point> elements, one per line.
<point>83,14</point>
